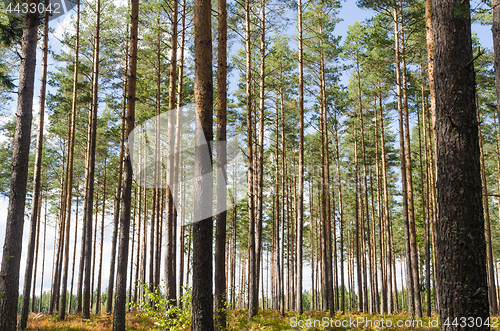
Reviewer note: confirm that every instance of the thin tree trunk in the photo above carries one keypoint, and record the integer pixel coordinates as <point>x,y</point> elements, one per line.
<point>36,251</point>
<point>490,267</point>
<point>74,257</point>
<point>300,211</point>
<point>252,310</point>
<point>220,232</point>
<point>170,255</point>
<point>90,172</point>
<point>43,256</point>
<point>99,272</point>
<point>121,276</point>
<point>260,161</point>
<point>409,177</point>
<point>404,172</point>
<point>116,209</point>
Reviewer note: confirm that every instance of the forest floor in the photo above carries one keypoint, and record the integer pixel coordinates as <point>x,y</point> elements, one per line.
<point>237,320</point>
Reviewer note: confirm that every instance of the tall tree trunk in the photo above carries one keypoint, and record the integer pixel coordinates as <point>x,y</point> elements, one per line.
<point>138,254</point>
<point>409,178</point>
<point>170,255</point>
<point>179,168</point>
<point>425,202</point>
<point>220,232</point>
<point>252,310</point>
<point>459,196</point>
<point>132,242</point>
<point>341,217</point>
<point>11,258</point>
<point>43,256</point>
<point>357,239</point>
<point>430,71</point>
<point>260,161</point>
<point>490,267</point>
<point>300,211</point>
<point>116,209</point>
<point>404,173</point>
<point>202,299</point>
<point>99,272</point>
<point>121,276</point>
<point>69,168</point>
<point>74,256</point>
<point>23,318</point>
<point>90,172</point>
<point>37,244</point>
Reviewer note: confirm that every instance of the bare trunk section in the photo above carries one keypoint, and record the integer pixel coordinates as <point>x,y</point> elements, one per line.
<point>252,310</point>
<point>116,209</point>
<point>300,211</point>
<point>90,171</point>
<point>170,254</point>
<point>202,298</point>
<point>404,181</point>
<point>121,276</point>
<point>220,232</point>
<point>23,319</point>
<point>459,196</point>
<point>11,258</point>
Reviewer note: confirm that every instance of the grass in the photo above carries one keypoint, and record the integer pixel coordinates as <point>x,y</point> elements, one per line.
<point>238,320</point>
<point>99,322</point>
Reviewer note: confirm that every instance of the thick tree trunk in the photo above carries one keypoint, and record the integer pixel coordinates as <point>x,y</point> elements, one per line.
<point>23,318</point>
<point>459,197</point>
<point>11,258</point>
<point>121,276</point>
<point>202,298</point>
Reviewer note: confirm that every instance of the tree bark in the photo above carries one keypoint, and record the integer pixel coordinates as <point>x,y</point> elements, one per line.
<point>492,295</point>
<point>220,232</point>
<point>202,298</point>
<point>23,318</point>
<point>170,255</point>
<point>90,172</point>
<point>459,196</point>
<point>121,276</point>
<point>300,211</point>
<point>252,310</point>
<point>116,209</point>
<point>11,258</point>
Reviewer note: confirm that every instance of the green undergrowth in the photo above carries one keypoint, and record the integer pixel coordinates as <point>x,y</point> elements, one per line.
<point>238,320</point>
